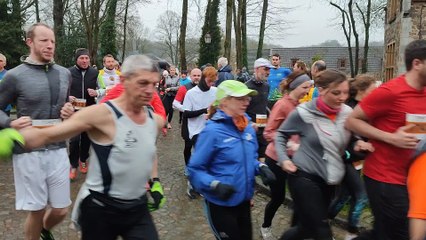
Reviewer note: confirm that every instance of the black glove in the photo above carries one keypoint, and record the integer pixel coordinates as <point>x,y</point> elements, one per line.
<point>223,191</point>
<point>267,175</point>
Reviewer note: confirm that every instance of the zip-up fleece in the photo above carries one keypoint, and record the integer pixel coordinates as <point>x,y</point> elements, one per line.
<point>27,86</point>
<point>223,153</point>
<point>322,141</point>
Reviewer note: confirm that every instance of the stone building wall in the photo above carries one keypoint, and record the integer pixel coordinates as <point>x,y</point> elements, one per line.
<point>418,18</point>
<point>409,25</point>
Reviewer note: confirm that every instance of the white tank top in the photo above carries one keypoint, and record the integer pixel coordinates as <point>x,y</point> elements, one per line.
<point>121,169</point>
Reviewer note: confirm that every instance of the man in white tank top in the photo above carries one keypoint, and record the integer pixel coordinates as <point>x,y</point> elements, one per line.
<point>123,132</point>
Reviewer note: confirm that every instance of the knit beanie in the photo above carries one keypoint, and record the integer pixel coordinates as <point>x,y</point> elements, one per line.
<point>81,51</point>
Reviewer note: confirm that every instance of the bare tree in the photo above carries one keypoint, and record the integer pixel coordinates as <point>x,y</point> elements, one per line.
<point>262,28</point>
<point>93,15</point>
<point>347,30</point>
<point>276,23</point>
<point>369,13</point>
<point>126,11</point>
<point>37,10</point>
<point>356,36</point>
<point>243,5</point>
<point>182,36</point>
<point>168,33</point>
<point>228,32</point>
<point>237,28</point>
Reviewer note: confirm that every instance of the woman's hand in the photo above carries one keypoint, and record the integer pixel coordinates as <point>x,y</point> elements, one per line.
<point>363,146</point>
<point>288,166</point>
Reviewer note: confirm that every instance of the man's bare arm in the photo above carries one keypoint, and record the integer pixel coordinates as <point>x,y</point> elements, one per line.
<point>357,122</point>
<point>79,122</point>
<point>417,229</point>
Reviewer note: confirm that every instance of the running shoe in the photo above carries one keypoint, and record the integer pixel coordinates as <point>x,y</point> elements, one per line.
<point>73,174</point>
<point>266,233</point>
<point>190,191</point>
<point>46,235</point>
<point>83,167</point>
<point>164,130</point>
<point>169,126</point>
<point>350,236</point>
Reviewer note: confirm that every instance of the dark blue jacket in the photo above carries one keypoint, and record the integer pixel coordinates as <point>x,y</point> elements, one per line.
<point>224,74</point>
<point>225,154</point>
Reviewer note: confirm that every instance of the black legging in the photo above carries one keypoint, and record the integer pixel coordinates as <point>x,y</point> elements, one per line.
<point>352,188</point>
<point>311,200</point>
<point>235,222</point>
<point>187,151</point>
<point>168,106</point>
<point>277,192</point>
<point>79,149</point>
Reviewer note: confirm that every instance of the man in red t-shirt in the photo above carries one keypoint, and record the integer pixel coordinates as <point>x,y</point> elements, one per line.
<point>381,117</point>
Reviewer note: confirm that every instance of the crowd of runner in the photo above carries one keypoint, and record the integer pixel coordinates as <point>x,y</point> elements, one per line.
<point>309,132</point>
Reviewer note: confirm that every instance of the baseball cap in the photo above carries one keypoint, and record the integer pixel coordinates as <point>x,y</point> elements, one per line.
<point>262,62</point>
<point>232,88</point>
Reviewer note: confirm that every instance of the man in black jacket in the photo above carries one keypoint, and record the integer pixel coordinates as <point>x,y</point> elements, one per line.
<point>257,110</point>
<point>83,77</point>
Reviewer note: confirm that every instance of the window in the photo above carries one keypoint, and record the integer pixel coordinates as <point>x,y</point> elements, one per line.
<point>392,10</point>
<point>390,61</point>
<point>341,63</point>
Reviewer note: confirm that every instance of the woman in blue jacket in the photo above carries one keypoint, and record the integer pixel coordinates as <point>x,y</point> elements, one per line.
<point>224,164</point>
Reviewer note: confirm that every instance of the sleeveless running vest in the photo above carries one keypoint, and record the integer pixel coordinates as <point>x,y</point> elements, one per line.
<point>121,169</point>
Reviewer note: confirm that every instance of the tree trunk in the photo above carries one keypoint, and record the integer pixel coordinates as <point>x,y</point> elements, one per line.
<point>366,19</point>
<point>237,29</point>
<point>58,24</point>
<point>348,34</point>
<point>356,36</point>
<point>244,32</point>
<point>108,31</point>
<point>91,22</point>
<point>227,44</point>
<point>262,29</point>
<point>123,51</point>
<point>37,11</point>
<point>182,37</point>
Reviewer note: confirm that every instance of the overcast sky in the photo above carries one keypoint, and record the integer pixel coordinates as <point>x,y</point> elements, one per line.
<point>313,21</point>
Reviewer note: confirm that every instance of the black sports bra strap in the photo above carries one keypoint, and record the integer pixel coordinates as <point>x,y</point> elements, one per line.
<point>117,113</point>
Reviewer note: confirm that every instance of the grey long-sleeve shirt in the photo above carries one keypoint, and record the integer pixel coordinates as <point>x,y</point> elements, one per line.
<point>322,141</point>
<point>38,91</point>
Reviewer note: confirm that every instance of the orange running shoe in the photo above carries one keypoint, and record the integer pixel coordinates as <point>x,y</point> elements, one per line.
<point>83,167</point>
<point>73,174</point>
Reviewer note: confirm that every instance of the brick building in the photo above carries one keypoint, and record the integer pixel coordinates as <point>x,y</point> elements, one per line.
<point>405,21</point>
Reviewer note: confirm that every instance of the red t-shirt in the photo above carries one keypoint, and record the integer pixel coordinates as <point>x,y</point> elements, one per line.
<point>155,102</point>
<point>180,95</point>
<point>386,109</point>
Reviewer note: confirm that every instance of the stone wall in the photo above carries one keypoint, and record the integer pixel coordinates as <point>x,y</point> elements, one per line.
<point>418,18</point>
<point>409,25</point>
<point>392,34</point>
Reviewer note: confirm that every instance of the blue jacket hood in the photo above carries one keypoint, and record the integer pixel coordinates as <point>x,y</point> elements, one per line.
<point>227,68</point>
